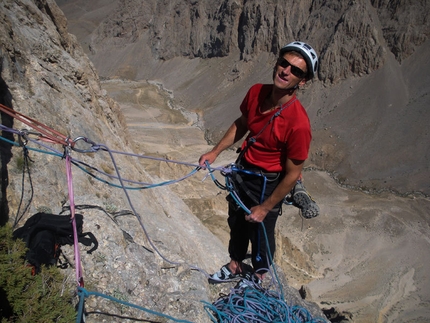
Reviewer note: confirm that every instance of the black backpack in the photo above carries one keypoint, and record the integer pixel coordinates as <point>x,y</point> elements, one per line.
<point>45,233</point>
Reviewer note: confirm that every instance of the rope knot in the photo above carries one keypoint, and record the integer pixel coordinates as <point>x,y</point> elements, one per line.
<point>83,292</point>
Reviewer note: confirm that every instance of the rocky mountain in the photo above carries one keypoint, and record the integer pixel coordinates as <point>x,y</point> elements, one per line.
<point>177,83</point>
<point>372,85</point>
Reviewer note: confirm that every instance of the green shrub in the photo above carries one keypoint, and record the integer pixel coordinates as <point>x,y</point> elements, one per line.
<point>45,297</point>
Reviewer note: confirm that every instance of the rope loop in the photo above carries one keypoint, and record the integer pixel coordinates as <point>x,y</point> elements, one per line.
<point>24,136</point>
<point>94,147</point>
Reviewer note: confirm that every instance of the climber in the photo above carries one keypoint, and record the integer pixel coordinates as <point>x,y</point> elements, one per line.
<point>277,146</point>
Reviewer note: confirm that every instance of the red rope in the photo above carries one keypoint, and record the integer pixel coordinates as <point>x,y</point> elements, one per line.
<point>45,133</point>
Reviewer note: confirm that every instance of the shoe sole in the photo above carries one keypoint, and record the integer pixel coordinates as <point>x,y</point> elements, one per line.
<point>309,208</point>
<point>215,281</point>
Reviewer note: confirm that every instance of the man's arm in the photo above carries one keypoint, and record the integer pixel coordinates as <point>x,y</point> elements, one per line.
<point>236,131</point>
<point>293,170</point>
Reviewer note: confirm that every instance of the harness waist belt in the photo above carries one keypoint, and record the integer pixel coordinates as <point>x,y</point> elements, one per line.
<point>258,170</point>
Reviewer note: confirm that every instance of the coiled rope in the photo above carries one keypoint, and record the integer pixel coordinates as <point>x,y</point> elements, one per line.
<point>257,305</point>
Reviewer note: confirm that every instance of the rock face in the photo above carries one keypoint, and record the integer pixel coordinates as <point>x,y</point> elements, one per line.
<point>372,85</point>
<point>375,246</point>
<point>352,37</point>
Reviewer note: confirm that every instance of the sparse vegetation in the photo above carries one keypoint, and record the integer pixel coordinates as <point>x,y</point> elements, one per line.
<point>44,209</point>
<point>45,297</point>
<point>20,163</point>
<point>110,207</point>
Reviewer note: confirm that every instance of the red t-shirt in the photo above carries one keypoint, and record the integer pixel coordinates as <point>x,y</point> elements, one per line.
<point>288,135</point>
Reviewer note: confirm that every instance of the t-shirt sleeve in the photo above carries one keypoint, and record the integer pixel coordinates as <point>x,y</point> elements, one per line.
<point>298,143</point>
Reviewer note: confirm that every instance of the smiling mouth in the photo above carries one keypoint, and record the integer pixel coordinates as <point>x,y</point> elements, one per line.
<point>282,78</point>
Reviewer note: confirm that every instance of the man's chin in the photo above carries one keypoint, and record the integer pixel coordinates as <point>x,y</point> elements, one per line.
<point>284,87</point>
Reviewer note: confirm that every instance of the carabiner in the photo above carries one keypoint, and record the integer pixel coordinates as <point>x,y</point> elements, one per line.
<point>94,146</point>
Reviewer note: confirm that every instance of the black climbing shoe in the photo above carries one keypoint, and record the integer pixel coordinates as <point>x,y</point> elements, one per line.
<point>222,276</point>
<point>302,199</point>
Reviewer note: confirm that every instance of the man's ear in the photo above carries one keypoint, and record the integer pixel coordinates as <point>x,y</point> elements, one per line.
<point>303,82</point>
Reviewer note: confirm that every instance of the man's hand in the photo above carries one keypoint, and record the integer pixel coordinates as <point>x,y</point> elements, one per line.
<point>258,213</point>
<point>208,157</point>
<point>236,131</point>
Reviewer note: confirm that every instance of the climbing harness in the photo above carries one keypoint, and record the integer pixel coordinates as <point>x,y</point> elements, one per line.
<point>257,304</point>
<point>233,172</point>
<point>237,169</point>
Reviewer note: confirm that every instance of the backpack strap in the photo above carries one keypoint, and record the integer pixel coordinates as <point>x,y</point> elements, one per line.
<point>88,241</point>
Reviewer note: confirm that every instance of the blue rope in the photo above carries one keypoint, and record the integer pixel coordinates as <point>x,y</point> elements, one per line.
<point>83,293</point>
<point>236,198</point>
<point>81,166</point>
<point>256,305</point>
<point>136,214</point>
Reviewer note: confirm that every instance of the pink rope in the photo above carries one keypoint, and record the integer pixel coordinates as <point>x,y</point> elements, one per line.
<point>78,267</point>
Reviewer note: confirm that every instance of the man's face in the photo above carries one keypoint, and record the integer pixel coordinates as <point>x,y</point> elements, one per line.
<point>290,70</point>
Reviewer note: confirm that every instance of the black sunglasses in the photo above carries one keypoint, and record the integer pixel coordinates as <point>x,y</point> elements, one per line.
<point>294,69</point>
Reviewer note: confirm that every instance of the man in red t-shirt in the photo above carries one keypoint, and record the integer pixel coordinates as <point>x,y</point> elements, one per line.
<point>276,148</point>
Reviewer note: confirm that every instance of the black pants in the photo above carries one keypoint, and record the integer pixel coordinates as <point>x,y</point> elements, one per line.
<point>242,232</point>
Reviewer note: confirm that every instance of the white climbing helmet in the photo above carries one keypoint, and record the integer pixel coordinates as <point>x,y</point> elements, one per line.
<point>308,53</point>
